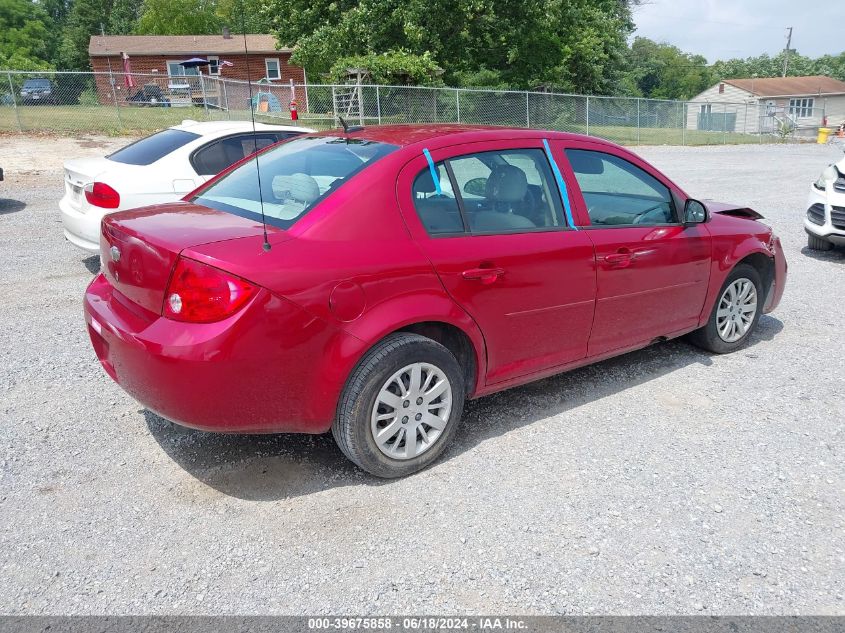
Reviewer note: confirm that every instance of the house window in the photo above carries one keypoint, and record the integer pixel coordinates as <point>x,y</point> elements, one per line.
<point>801,108</point>
<point>721,89</point>
<point>175,69</point>
<point>180,76</point>
<point>213,65</point>
<point>273,69</point>
<point>705,108</point>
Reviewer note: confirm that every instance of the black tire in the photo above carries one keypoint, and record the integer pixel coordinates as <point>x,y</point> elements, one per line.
<point>708,337</point>
<point>352,427</point>
<point>815,243</point>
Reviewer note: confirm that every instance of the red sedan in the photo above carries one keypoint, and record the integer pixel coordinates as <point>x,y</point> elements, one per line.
<point>369,282</point>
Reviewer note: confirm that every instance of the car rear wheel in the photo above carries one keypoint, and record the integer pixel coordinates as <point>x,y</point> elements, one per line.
<point>736,313</point>
<point>401,406</point>
<point>815,243</point>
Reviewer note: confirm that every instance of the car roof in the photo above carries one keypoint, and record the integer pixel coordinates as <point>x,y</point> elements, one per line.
<point>219,128</point>
<point>452,133</point>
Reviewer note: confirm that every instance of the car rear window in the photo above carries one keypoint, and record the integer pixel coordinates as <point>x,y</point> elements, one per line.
<point>295,177</point>
<point>36,83</point>
<point>152,148</point>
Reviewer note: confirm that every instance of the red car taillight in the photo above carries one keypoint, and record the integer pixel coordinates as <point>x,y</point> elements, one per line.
<point>99,194</point>
<point>198,293</point>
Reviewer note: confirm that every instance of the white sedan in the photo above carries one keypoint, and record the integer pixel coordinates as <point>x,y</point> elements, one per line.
<point>825,219</point>
<point>163,167</point>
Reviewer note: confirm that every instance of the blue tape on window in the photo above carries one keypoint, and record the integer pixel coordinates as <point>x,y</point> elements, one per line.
<point>561,184</point>
<point>433,171</point>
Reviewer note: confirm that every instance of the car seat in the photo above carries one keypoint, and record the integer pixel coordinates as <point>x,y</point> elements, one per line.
<point>508,199</point>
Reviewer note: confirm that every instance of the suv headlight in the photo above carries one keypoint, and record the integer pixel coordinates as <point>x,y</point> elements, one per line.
<point>828,175</point>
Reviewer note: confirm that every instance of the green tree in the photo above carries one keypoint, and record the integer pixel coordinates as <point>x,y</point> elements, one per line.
<point>663,71</point>
<point>24,35</point>
<point>392,68</point>
<point>86,18</point>
<point>123,19</point>
<point>243,16</point>
<point>568,44</point>
<point>178,17</point>
<point>831,65</point>
<point>765,66</point>
<point>58,10</point>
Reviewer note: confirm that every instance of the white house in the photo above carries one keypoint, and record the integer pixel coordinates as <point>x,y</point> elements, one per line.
<point>763,104</point>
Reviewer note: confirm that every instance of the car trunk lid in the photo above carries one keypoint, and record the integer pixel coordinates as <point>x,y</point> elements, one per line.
<point>80,172</point>
<point>139,248</point>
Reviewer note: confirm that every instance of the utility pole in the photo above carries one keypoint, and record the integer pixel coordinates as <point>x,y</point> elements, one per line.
<point>786,51</point>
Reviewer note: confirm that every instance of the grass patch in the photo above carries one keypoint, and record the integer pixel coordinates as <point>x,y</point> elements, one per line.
<point>667,136</point>
<point>128,120</point>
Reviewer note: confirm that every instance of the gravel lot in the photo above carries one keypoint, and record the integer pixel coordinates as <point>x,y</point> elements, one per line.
<point>665,481</point>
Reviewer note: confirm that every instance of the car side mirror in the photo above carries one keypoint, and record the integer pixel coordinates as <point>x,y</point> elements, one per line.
<point>476,187</point>
<point>694,212</point>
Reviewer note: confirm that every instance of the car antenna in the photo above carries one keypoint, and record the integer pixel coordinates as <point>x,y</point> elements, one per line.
<point>349,128</point>
<point>266,245</point>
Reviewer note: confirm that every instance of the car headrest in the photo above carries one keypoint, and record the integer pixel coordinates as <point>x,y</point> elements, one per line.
<point>298,187</point>
<point>506,183</point>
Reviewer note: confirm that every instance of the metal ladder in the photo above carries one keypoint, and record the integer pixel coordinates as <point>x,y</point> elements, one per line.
<point>347,102</point>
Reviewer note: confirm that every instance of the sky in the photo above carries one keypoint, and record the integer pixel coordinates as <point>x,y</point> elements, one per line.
<point>722,29</point>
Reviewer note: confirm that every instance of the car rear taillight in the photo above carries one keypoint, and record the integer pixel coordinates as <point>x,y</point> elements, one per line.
<point>99,194</point>
<point>198,293</point>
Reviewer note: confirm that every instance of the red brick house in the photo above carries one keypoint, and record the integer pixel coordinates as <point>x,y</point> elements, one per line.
<point>155,59</point>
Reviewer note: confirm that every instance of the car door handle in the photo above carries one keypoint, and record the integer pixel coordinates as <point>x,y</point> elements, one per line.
<point>625,256</point>
<point>621,258</point>
<point>484,275</point>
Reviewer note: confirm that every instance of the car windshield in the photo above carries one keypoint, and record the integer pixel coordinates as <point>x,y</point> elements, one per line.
<point>152,148</point>
<point>295,177</point>
<point>36,83</point>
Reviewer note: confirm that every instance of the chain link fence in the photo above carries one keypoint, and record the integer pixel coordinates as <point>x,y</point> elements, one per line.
<point>134,104</point>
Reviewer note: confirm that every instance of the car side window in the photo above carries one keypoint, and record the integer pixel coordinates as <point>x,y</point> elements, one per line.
<point>618,193</point>
<point>218,155</point>
<point>505,191</point>
<point>438,211</point>
<point>508,191</point>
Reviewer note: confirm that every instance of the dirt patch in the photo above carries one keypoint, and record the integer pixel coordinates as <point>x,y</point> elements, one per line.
<point>26,154</point>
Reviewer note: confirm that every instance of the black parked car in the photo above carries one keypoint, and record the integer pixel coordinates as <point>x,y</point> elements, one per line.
<point>36,91</point>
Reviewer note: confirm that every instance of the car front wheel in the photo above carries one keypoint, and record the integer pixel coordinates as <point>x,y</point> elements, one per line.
<point>401,406</point>
<point>736,313</point>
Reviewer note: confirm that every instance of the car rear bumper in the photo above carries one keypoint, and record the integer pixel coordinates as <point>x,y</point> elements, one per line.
<point>264,370</point>
<point>81,229</point>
